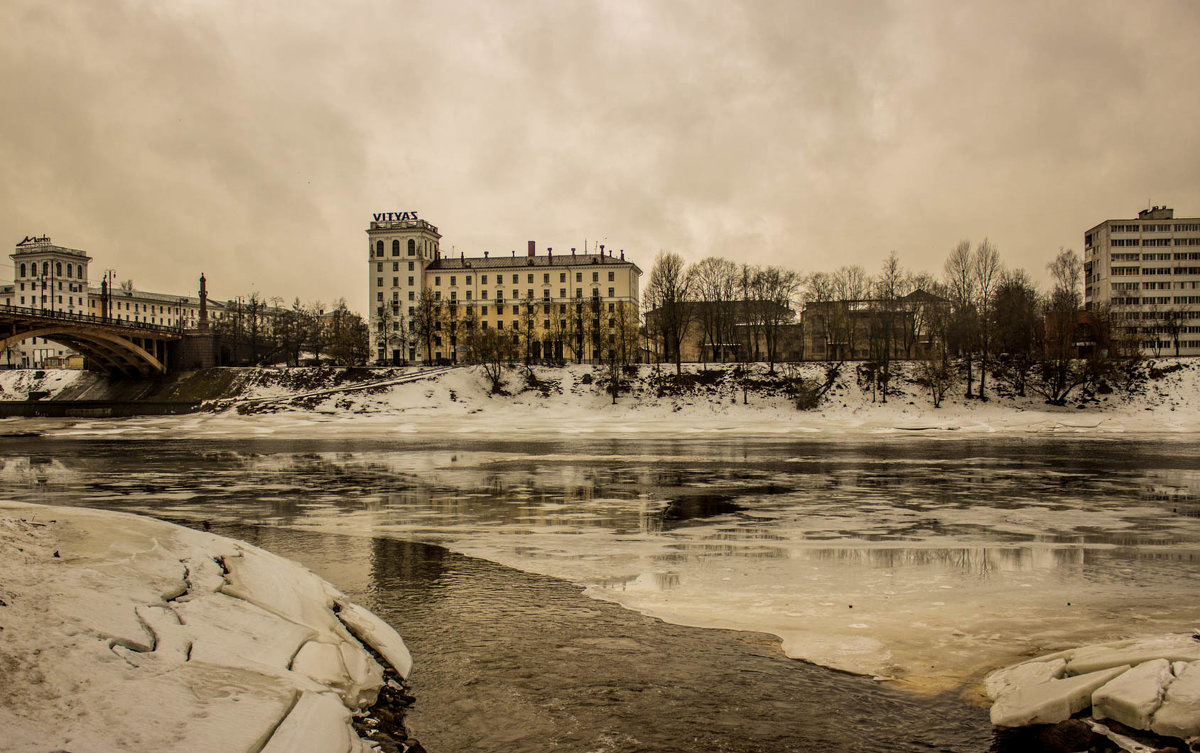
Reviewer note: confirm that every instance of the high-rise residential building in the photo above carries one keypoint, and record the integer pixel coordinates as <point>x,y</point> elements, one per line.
<point>1146,273</point>
<point>425,306</point>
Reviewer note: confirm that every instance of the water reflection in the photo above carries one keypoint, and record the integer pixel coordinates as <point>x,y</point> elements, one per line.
<point>741,534</point>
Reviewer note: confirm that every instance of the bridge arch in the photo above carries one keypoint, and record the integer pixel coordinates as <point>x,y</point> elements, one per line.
<point>106,350</point>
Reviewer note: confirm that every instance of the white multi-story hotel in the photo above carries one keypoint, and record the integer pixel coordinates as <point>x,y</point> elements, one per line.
<point>54,279</point>
<point>568,305</point>
<point>1147,272</point>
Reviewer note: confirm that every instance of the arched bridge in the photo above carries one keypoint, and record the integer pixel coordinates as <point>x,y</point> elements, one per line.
<point>136,349</point>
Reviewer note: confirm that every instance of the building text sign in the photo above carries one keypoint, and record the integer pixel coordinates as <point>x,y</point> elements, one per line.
<point>393,216</point>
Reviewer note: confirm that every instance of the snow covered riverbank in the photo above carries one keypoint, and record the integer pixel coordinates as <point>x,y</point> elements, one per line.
<point>125,633</point>
<point>1162,398</point>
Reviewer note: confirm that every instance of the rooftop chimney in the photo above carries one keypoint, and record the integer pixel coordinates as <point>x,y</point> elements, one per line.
<point>532,249</point>
<point>485,253</point>
<point>572,250</point>
<point>602,249</point>
<point>622,254</point>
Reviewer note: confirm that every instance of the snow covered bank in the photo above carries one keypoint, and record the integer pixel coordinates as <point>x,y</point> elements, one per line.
<point>119,632</point>
<point>1150,684</point>
<point>1162,399</point>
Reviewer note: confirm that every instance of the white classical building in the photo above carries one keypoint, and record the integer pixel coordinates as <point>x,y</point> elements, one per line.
<point>1146,271</point>
<point>54,279</point>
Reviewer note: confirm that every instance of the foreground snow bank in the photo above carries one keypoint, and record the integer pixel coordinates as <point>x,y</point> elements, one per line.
<point>119,632</point>
<point>1150,684</point>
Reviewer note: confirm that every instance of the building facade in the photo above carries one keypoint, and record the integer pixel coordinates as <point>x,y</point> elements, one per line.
<point>54,279</point>
<point>1145,273</point>
<point>426,307</point>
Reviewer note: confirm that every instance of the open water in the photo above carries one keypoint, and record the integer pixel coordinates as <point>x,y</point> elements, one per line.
<point>529,578</point>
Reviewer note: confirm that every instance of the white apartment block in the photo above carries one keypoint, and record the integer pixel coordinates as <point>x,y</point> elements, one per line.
<point>532,294</point>
<point>1146,271</point>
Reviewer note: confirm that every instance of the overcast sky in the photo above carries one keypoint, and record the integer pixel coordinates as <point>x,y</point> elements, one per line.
<point>253,141</point>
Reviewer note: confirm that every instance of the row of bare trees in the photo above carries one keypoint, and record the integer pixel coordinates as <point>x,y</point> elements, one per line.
<point>734,312</point>
<point>257,331</point>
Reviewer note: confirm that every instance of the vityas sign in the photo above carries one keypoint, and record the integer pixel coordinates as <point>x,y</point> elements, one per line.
<point>393,216</point>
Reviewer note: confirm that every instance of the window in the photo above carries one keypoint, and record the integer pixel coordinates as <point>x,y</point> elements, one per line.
<point>410,266</point>
<point>483,310</point>
<point>546,294</point>
<point>379,296</point>
<point>562,276</point>
<point>437,280</point>
<point>546,279</point>
<point>454,295</point>
<point>483,279</point>
<point>379,266</point>
<point>611,307</point>
<point>468,279</point>
<point>595,277</point>
<point>595,292</point>
<point>410,281</point>
<point>412,296</point>
<point>412,247</point>
<point>579,277</point>
<point>529,293</point>
<point>453,280</point>
<point>516,294</point>
<point>410,308</point>
<point>379,282</point>
<point>611,276</point>
<point>395,282</point>
<point>499,324</point>
<point>395,266</point>
<point>484,294</point>
<point>468,295</point>
<point>437,295</point>
<point>379,248</point>
<point>610,292</point>
<point>579,292</point>
<point>395,248</point>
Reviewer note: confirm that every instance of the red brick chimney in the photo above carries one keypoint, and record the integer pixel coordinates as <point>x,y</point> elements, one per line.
<point>532,248</point>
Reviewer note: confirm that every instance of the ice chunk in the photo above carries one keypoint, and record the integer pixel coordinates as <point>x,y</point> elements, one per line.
<point>171,641</point>
<point>1132,698</point>
<point>345,667</point>
<point>282,587</point>
<point>378,635</point>
<point>1179,647</point>
<point>1179,714</point>
<point>318,723</point>
<point>1022,675</point>
<point>1049,702</point>
<point>232,632</point>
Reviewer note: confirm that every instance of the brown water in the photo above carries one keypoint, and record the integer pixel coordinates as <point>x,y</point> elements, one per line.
<point>510,660</point>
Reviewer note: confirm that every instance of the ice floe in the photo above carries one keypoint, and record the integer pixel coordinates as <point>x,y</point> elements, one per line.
<point>1150,684</point>
<point>121,632</point>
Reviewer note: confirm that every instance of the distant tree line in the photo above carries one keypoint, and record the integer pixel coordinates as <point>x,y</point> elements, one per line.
<point>258,331</point>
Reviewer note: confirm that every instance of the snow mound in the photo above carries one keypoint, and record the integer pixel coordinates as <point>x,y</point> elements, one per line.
<point>1150,684</point>
<point>127,633</point>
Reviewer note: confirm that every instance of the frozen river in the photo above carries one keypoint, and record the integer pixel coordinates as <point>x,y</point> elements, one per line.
<point>922,560</point>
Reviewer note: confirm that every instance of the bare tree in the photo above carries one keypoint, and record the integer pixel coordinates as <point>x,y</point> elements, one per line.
<point>716,287</point>
<point>1017,321</point>
<point>668,297</point>
<point>961,285</point>
<point>987,269</point>
<point>1061,373</point>
<point>777,290</point>
<point>425,321</point>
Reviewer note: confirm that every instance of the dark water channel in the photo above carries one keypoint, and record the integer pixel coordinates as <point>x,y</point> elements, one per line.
<point>509,660</point>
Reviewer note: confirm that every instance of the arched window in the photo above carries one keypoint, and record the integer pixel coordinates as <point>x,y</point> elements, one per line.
<point>58,268</point>
<point>395,248</point>
<point>22,269</point>
<point>412,247</point>
<point>68,269</point>
<point>379,248</point>
<point>45,268</point>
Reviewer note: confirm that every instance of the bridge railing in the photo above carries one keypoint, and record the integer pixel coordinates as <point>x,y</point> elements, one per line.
<point>67,316</point>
